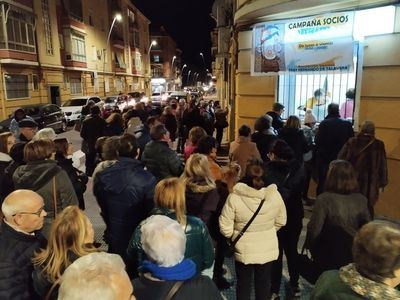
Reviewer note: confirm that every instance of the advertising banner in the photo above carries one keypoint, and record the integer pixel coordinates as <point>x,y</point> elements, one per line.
<point>317,43</point>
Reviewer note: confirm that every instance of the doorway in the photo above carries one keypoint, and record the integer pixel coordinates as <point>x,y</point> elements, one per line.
<point>55,95</point>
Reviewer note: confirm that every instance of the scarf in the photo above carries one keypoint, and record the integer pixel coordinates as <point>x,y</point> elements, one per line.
<point>184,270</point>
<point>366,287</point>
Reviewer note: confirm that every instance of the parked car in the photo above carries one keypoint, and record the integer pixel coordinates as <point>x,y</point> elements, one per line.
<point>73,107</point>
<point>177,95</point>
<point>46,115</point>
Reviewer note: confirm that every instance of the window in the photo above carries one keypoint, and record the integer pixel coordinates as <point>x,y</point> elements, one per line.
<point>91,23</point>
<point>16,86</point>
<point>75,85</point>
<point>136,39</point>
<point>35,82</point>
<point>61,40</point>
<point>47,27</point>
<point>156,58</point>
<point>78,48</point>
<point>374,21</point>
<point>75,9</point>
<point>20,32</point>
<point>119,60</point>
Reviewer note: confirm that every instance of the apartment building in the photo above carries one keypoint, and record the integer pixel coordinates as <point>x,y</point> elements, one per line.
<point>51,51</point>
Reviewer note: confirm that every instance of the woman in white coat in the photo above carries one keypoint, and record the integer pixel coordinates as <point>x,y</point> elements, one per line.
<point>258,247</point>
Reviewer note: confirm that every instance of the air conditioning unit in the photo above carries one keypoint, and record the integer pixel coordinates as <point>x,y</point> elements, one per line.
<point>68,56</point>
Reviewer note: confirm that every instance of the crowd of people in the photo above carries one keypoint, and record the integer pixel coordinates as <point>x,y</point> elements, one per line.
<point>173,214</point>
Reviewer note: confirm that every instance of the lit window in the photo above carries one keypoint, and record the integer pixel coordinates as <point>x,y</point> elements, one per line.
<point>16,86</point>
<point>78,48</point>
<point>75,85</point>
<point>374,21</point>
<point>47,27</point>
<point>156,58</point>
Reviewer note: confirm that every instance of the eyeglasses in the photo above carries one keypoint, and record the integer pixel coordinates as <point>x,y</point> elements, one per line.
<point>38,213</point>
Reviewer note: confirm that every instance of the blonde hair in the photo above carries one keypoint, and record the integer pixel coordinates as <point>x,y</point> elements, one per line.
<point>68,233</point>
<point>197,170</point>
<point>195,134</point>
<point>170,194</point>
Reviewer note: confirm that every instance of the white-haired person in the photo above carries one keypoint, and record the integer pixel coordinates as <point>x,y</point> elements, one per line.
<point>45,134</point>
<point>167,274</point>
<point>375,272</point>
<point>24,214</point>
<point>96,276</point>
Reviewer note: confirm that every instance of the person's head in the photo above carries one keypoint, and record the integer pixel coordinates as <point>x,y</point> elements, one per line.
<point>195,134</point>
<point>182,103</point>
<point>17,152</point>
<point>333,109</point>
<point>139,106</point>
<point>376,252</point>
<point>96,276</point>
<point>7,140</point>
<point>153,121</point>
<point>90,103</point>
<point>99,144</point>
<point>350,94</point>
<point>341,178</point>
<point>63,147</point>
<point>170,194</point>
<point>254,174</point>
<point>128,146</point>
<point>280,151</point>
<point>24,209</point>
<point>71,232</point>
<point>309,118</point>
<point>206,146</point>
<point>231,174</point>
<point>263,123</point>
<point>95,110</point>
<point>39,150</point>
<point>244,131</point>
<point>167,110</point>
<point>109,150</point>
<point>159,133</point>
<point>28,128</point>
<point>115,118</point>
<point>319,93</point>
<point>368,128</point>
<point>293,122</point>
<point>19,114</point>
<point>197,170</point>
<point>163,240</point>
<point>45,133</point>
<point>279,108</point>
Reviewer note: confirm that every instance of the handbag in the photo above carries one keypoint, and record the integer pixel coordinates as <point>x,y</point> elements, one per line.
<point>230,250</point>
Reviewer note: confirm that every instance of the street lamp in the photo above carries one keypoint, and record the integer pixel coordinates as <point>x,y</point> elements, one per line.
<point>187,81</point>
<point>153,43</point>
<point>118,18</point>
<point>183,68</point>
<point>172,63</point>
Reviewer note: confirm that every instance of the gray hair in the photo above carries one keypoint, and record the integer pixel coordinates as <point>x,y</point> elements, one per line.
<point>163,240</point>
<point>90,277</point>
<point>45,133</point>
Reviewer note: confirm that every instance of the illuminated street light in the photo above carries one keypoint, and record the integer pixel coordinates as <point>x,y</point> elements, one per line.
<point>153,43</point>
<point>183,68</point>
<point>118,18</point>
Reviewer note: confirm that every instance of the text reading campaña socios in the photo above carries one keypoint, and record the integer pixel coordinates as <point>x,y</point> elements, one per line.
<point>319,22</point>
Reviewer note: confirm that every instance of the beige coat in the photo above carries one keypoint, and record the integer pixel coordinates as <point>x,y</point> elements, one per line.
<point>259,244</point>
<point>242,151</point>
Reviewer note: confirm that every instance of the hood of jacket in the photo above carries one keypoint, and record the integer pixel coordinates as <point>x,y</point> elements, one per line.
<point>253,196</point>
<point>199,186</point>
<point>118,176</point>
<point>34,175</point>
<point>5,157</point>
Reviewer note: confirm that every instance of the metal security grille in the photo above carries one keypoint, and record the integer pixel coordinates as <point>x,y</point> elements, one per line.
<point>315,91</point>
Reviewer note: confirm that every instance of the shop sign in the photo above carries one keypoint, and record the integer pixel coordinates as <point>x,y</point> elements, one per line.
<point>317,43</point>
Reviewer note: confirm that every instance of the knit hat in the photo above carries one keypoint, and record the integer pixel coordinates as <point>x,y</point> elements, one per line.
<point>309,117</point>
<point>27,123</point>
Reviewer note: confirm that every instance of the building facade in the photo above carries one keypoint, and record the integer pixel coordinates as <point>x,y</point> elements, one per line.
<point>165,60</point>
<point>51,51</point>
<point>377,72</point>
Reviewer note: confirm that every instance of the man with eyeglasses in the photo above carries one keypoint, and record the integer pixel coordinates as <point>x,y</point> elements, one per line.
<point>24,214</point>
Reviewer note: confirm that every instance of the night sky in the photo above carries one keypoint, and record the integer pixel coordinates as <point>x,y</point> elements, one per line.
<point>189,24</point>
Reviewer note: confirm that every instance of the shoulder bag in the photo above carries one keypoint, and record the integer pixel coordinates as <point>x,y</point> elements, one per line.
<point>230,250</point>
<point>175,288</point>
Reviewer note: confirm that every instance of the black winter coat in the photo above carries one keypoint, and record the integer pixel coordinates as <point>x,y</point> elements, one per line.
<point>289,178</point>
<point>199,247</point>
<point>277,121</point>
<point>333,133</point>
<point>5,160</point>
<point>197,288</point>
<point>264,142</point>
<point>125,193</point>
<point>296,140</point>
<point>161,161</point>
<point>16,251</point>
<point>93,127</point>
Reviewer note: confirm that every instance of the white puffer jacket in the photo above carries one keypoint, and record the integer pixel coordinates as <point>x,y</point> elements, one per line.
<point>259,244</point>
